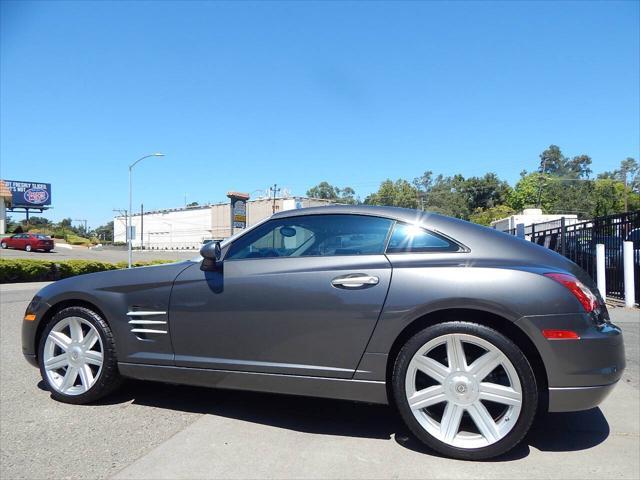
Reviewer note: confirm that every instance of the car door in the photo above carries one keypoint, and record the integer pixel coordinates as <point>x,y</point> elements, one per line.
<point>298,295</point>
<point>19,241</point>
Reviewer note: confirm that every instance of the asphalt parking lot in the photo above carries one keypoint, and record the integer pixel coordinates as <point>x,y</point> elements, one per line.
<point>151,430</point>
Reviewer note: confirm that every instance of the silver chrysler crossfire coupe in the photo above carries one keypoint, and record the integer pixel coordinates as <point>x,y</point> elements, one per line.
<point>466,331</point>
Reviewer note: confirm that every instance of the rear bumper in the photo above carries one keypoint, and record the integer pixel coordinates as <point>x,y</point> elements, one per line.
<point>571,399</point>
<point>580,373</point>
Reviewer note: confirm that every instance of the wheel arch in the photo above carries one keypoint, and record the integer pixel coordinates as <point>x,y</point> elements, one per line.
<point>57,307</point>
<point>482,317</point>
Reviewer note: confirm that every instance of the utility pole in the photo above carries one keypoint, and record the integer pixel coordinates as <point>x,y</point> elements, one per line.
<point>275,190</point>
<point>624,180</point>
<point>141,226</point>
<point>544,167</point>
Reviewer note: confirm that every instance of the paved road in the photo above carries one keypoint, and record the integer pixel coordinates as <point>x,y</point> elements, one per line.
<point>165,431</point>
<point>76,252</point>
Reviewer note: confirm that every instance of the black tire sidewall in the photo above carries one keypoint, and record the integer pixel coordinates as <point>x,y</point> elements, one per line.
<point>513,353</point>
<point>108,378</point>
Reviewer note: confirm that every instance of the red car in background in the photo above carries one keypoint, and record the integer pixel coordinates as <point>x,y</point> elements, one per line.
<point>28,242</point>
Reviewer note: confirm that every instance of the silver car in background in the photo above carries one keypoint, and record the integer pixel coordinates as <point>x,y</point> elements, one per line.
<point>467,331</point>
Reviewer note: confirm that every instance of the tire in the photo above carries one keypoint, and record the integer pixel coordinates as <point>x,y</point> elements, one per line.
<point>475,428</point>
<point>3,245</point>
<point>92,348</point>
<point>27,248</point>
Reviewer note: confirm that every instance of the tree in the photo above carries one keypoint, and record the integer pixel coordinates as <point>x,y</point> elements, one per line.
<point>488,215</point>
<point>327,191</point>
<point>104,232</point>
<point>629,175</point>
<point>193,204</point>
<point>530,192</point>
<point>609,195</point>
<point>442,194</point>
<point>484,192</point>
<point>553,162</point>
<point>37,222</point>
<point>397,194</point>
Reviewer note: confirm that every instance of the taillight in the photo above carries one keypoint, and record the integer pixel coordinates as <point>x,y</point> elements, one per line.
<point>580,291</point>
<point>560,335</point>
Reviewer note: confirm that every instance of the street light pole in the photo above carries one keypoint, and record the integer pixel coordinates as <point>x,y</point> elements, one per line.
<point>130,225</point>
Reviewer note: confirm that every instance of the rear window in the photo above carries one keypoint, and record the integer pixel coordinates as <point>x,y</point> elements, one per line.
<point>413,239</point>
<point>42,237</point>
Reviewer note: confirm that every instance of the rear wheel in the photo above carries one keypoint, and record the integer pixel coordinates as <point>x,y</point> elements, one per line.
<point>77,356</point>
<point>28,248</point>
<point>465,390</point>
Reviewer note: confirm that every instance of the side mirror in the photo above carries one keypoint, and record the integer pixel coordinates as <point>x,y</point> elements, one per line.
<point>211,253</point>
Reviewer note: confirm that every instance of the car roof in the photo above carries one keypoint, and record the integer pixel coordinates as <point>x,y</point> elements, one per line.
<point>426,218</point>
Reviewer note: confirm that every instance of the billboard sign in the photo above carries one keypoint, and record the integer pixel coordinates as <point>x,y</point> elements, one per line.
<point>29,194</point>
<point>238,209</point>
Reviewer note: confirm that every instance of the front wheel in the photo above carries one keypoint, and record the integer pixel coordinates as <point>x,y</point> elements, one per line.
<point>3,245</point>
<point>465,390</point>
<point>77,356</point>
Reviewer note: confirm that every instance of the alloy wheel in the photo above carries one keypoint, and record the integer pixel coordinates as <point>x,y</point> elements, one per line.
<point>463,391</point>
<point>73,356</point>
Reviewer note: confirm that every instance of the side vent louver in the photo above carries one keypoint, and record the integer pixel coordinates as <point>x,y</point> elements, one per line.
<point>143,325</point>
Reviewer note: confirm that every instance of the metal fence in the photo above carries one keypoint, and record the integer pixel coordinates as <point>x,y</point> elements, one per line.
<point>578,243</point>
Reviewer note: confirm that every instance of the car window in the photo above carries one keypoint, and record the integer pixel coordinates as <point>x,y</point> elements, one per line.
<point>413,239</point>
<point>312,236</point>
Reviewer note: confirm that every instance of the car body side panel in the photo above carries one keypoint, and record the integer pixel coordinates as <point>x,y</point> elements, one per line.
<point>115,293</point>
<point>277,315</point>
<point>453,281</point>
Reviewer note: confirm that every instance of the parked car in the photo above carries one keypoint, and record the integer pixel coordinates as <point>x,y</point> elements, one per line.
<point>466,330</point>
<point>634,236</point>
<point>28,242</point>
<point>583,250</point>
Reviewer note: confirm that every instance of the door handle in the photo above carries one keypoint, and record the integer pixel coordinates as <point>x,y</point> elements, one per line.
<point>355,280</point>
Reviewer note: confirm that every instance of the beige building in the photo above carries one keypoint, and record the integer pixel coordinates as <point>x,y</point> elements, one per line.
<point>5,201</point>
<point>186,228</point>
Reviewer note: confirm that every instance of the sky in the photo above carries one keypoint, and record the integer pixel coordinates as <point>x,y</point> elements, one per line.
<point>242,95</point>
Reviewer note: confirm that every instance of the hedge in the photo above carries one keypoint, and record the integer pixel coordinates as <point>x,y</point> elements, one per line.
<point>23,270</point>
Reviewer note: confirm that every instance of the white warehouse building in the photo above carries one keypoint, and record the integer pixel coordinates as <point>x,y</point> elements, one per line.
<point>187,227</point>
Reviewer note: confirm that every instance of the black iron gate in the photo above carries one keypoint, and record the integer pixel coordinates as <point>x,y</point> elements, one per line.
<point>578,243</point>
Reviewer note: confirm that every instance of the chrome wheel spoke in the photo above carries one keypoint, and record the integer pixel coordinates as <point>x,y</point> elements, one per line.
<point>93,357</point>
<point>500,394</point>
<point>450,423</point>
<point>455,354</point>
<point>57,362</point>
<point>86,376</point>
<point>69,378</point>
<point>90,340</point>
<point>60,339</point>
<point>76,329</point>
<point>484,365</point>
<point>484,421</point>
<point>430,367</point>
<point>427,397</point>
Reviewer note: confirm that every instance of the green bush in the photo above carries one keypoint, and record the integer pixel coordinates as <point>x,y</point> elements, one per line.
<point>24,270</point>
<point>77,240</point>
